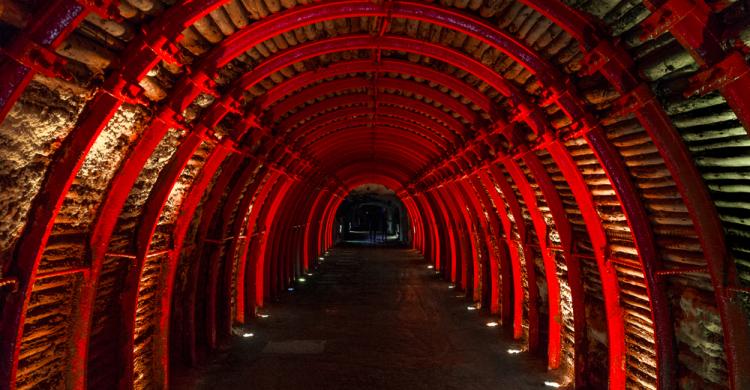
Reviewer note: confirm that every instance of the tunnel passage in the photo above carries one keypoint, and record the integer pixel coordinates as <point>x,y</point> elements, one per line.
<point>372,214</point>
<point>371,317</point>
<point>580,168</point>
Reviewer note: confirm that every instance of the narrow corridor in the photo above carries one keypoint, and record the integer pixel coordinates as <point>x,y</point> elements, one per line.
<point>371,318</point>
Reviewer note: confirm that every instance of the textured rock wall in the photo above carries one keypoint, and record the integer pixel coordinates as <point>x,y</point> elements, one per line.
<point>41,120</point>
<point>29,137</point>
<point>45,352</point>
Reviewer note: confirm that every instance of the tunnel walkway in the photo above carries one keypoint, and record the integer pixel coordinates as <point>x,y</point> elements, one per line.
<point>370,318</point>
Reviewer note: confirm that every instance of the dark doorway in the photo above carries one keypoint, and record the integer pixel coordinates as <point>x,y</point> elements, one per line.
<point>372,214</point>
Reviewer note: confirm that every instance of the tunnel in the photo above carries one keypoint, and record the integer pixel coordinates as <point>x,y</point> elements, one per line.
<point>576,172</point>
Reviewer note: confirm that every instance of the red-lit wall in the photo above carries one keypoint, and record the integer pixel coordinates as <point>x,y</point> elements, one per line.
<point>580,168</point>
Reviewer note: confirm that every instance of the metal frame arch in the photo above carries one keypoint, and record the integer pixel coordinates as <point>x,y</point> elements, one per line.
<point>358,178</point>
<point>498,236</point>
<point>562,224</point>
<point>281,107</point>
<point>281,91</point>
<point>364,115</point>
<point>147,226</point>
<point>597,235</point>
<point>275,252</point>
<point>309,253</point>
<point>235,204</point>
<point>357,159</point>
<point>496,179</point>
<point>434,250</point>
<point>278,189</point>
<point>246,285</point>
<point>390,105</point>
<point>416,219</point>
<point>695,31</point>
<point>374,134</point>
<point>483,183</point>
<point>474,211</point>
<point>63,171</point>
<point>284,253</point>
<point>617,67</point>
<point>487,237</point>
<point>149,45</point>
<point>158,197</point>
<point>236,250</point>
<point>323,231</point>
<point>394,160</point>
<point>469,262</point>
<point>313,226</point>
<point>210,207</point>
<point>449,227</point>
<point>458,248</point>
<point>265,257</point>
<point>319,248</point>
<point>187,210</point>
<point>53,25</point>
<point>330,219</point>
<point>350,42</point>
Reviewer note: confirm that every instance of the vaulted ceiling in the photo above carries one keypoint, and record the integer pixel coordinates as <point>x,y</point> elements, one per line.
<point>167,166</point>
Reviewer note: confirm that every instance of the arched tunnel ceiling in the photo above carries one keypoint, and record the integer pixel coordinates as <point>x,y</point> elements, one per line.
<point>591,156</point>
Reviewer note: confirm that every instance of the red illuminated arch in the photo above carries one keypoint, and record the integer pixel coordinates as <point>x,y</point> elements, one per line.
<point>434,160</point>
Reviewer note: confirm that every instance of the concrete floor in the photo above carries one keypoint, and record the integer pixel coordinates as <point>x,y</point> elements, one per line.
<point>371,318</point>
